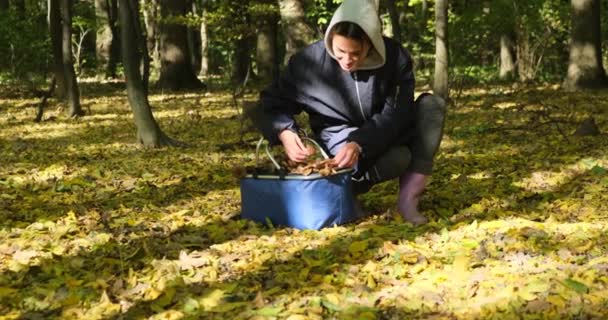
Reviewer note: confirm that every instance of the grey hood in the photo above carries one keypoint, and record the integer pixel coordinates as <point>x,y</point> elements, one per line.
<point>365,14</point>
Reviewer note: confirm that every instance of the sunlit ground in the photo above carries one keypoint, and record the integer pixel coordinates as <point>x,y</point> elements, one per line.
<point>93,226</point>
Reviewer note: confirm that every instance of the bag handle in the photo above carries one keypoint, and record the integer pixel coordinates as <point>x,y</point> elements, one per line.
<point>274,162</point>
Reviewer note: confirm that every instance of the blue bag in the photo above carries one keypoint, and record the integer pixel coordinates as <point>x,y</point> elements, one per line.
<point>298,201</point>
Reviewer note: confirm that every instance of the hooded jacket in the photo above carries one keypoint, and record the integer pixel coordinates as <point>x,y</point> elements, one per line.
<point>373,106</point>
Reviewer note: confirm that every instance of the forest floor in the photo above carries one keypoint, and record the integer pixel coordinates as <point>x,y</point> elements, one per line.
<point>93,226</point>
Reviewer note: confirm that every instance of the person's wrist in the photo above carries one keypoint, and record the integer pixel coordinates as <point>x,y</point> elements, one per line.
<point>284,134</point>
<point>359,148</point>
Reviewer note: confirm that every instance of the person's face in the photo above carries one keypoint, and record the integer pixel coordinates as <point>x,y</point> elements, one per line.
<point>350,53</point>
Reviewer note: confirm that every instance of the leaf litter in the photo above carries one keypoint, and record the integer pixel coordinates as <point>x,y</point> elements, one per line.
<point>94,227</point>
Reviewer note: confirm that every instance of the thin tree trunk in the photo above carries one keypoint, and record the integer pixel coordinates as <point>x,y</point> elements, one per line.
<point>394,15</point>
<point>176,68</point>
<point>507,56</point>
<point>134,48</point>
<point>298,33</point>
<point>54,21</point>
<point>440,82</point>
<point>242,59</point>
<point>20,6</point>
<point>204,45</point>
<point>266,52</point>
<point>151,16</point>
<point>72,92</point>
<point>106,40</point>
<point>194,42</point>
<point>525,55</point>
<point>424,9</point>
<point>585,69</point>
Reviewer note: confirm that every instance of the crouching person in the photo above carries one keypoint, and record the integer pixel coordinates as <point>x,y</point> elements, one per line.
<point>357,88</point>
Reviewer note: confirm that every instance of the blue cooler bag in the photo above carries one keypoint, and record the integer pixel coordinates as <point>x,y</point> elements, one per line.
<point>293,200</point>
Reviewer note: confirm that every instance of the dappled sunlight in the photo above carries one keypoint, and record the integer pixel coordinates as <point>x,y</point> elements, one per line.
<point>505,105</point>
<point>44,176</point>
<point>543,181</point>
<point>67,236</point>
<point>60,129</point>
<point>94,225</point>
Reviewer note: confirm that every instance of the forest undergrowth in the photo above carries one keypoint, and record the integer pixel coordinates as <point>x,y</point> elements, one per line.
<point>93,226</point>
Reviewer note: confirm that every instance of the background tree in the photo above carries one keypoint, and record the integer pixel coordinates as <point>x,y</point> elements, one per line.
<point>506,27</point>
<point>107,53</point>
<point>20,7</point>
<point>585,68</point>
<point>55,30</point>
<point>507,56</point>
<point>243,42</point>
<point>4,4</point>
<point>296,30</point>
<point>394,17</point>
<point>151,13</point>
<point>134,49</point>
<point>176,71</point>
<point>71,83</point>
<point>440,81</point>
<point>204,48</point>
<point>266,49</point>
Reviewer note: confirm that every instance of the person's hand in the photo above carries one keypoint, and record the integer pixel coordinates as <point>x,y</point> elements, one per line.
<point>294,148</point>
<point>348,156</point>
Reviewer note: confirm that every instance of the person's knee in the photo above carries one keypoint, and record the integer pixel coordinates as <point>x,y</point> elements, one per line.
<point>432,103</point>
<point>392,164</point>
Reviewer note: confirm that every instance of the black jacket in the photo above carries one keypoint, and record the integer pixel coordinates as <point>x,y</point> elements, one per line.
<point>374,108</point>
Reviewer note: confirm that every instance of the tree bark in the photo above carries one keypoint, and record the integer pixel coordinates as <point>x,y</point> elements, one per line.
<point>106,40</point>
<point>204,45</point>
<point>20,6</point>
<point>507,56</point>
<point>72,92</point>
<point>194,42</point>
<point>298,33</point>
<point>266,51</point>
<point>151,16</point>
<point>133,49</point>
<point>440,81</point>
<point>394,15</point>
<point>242,59</point>
<point>54,21</point>
<point>176,68</point>
<point>585,69</point>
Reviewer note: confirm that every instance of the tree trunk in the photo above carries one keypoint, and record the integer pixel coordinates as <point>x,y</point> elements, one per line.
<point>424,9</point>
<point>204,45</point>
<point>298,33</point>
<point>72,92</point>
<point>194,42</point>
<point>242,59</point>
<point>507,56</point>
<point>266,52</point>
<point>394,15</point>
<point>526,57</point>
<point>585,69</point>
<point>20,6</point>
<point>106,46</point>
<point>4,5</point>
<point>440,82</point>
<point>151,17</point>
<point>54,21</point>
<point>133,48</point>
<point>176,70</point>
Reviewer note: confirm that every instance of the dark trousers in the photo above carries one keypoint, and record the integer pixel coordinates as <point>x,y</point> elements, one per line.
<point>416,154</point>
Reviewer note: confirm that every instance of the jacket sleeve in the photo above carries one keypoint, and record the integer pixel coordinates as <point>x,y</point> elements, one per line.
<point>278,105</point>
<point>379,132</point>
